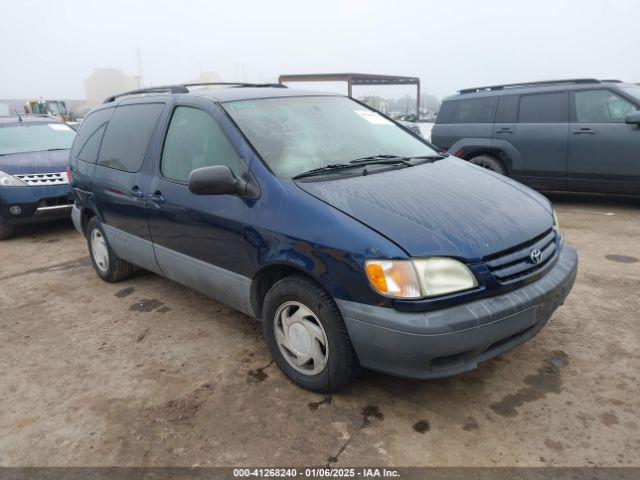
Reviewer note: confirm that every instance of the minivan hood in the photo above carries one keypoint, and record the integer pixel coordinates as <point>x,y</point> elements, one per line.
<point>53,161</point>
<point>445,208</point>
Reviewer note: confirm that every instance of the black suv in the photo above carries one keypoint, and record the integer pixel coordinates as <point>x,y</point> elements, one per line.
<point>576,135</point>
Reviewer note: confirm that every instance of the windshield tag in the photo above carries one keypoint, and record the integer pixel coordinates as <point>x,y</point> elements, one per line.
<point>373,117</point>
<point>60,126</point>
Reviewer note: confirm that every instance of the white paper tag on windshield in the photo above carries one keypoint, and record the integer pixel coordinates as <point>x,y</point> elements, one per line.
<point>373,117</point>
<point>60,126</point>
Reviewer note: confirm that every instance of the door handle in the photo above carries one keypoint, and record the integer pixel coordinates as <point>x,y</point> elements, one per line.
<point>584,131</point>
<point>136,192</point>
<point>157,198</point>
<point>504,130</point>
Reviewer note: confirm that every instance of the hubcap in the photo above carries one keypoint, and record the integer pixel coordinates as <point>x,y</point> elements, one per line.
<point>99,250</point>
<point>301,338</point>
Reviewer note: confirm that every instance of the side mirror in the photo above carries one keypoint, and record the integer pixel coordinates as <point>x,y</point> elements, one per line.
<point>216,180</point>
<point>633,118</point>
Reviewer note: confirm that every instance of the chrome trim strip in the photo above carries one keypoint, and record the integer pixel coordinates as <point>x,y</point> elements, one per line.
<point>55,207</point>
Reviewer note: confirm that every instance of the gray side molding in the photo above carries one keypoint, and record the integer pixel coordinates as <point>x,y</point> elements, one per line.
<point>131,248</point>
<point>223,285</point>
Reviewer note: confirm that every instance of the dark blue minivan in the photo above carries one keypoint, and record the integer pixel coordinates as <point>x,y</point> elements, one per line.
<point>355,241</point>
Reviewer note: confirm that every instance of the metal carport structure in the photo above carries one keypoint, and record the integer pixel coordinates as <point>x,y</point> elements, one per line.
<point>355,79</point>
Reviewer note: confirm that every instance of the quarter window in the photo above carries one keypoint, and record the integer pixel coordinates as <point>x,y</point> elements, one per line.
<point>127,136</point>
<point>545,107</point>
<point>473,110</point>
<point>601,106</point>
<point>88,139</point>
<point>89,152</point>
<point>194,140</point>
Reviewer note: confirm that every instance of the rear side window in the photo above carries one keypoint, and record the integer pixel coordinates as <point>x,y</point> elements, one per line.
<point>88,140</point>
<point>472,110</point>
<point>544,107</point>
<point>127,136</point>
<point>601,106</point>
<point>195,140</point>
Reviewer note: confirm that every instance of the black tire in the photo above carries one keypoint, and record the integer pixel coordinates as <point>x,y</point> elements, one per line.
<point>7,231</point>
<point>342,366</point>
<point>490,163</point>
<point>116,269</point>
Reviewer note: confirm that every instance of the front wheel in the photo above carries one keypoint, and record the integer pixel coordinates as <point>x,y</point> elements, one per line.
<point>490,163</point>
<point>106,263</point>
<point>7,231</point>
<point>307,337</point>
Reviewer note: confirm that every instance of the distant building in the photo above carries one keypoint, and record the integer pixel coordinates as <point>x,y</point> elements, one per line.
<point>380,104</point>
<point>104,82</point>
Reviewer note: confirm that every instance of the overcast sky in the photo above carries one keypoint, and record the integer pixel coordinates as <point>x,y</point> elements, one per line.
<point>47,48</point>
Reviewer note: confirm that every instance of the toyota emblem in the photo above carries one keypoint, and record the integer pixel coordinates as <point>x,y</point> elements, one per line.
<point>535,255</point>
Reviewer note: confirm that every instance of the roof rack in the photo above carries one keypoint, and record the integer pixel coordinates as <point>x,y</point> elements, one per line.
<point>236,84</point>
<point>573,81</point>
<point>164,89</point>
<point>182,88</point>
<point>611,80</point>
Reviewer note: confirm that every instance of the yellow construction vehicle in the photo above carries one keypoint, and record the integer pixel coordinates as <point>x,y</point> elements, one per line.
<point>57,108</point>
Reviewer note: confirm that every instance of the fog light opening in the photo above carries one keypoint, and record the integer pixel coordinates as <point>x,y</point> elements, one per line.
<point>15,209</point>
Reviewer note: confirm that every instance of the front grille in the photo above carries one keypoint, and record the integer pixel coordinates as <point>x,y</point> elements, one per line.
<point>516,264</point>
<point>39,179</point>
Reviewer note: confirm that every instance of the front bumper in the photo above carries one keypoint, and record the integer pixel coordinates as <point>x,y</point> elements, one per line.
<point>453,340</point>
<point>38,204</point>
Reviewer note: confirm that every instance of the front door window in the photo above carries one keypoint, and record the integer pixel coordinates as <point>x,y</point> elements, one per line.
<point>600,106</point>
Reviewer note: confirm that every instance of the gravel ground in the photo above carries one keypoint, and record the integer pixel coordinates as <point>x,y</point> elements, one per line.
<point>149,373</point>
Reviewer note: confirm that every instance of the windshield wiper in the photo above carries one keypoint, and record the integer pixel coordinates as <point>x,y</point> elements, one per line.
<point>361,162</point>
<point>396,159</point>
<point>381,159</point>
<point>327,168</point>
<point>384,159</point>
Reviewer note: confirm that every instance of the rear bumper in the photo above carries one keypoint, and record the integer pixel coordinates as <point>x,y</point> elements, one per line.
<point>37,204</point>
<point>450,341</point>
<point>77,220</point>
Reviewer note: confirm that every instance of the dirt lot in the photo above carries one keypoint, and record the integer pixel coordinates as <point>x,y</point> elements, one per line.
<point>147,372</point>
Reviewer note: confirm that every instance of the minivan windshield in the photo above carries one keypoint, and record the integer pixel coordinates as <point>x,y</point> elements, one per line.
<point>297,134</point>
<point>23,137</point>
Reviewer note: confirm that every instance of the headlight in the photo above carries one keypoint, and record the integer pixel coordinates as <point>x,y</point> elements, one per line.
<point>555,220</point>
<point>7,180</point>
<point>411,279</point>
<point>393,278</point>
<point>444,275</point>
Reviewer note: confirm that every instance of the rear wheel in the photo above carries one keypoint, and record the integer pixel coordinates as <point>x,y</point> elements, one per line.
<point>307,337</point>
<point>490,163</point>
<point>106,263</point>
<point>7,231</point>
